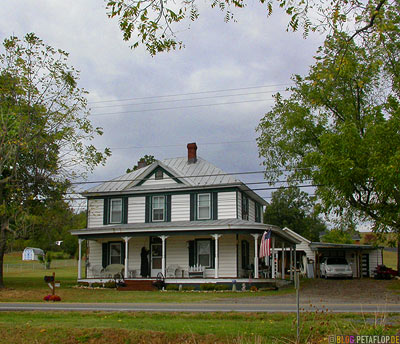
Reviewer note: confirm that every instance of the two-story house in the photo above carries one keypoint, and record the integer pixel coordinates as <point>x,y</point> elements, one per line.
<point>180,217</point>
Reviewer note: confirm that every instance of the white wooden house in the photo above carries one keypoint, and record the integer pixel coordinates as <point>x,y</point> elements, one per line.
<point>194,220</point>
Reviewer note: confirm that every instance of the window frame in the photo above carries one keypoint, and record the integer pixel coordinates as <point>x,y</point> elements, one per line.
<point>163,208</point>
<point>245,207</point>
<point>209,206</point>
<point>209,241</point>
<point>245,254</point>
<point>159,175</point>
<point>111,201</point>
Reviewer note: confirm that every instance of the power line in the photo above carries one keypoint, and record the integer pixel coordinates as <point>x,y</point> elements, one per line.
<point>181,145</point>
<point>187,94</point>
<point>180,107</point>
<point>187,99</point>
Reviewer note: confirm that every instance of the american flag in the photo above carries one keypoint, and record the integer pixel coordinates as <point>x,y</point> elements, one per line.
<point>265,247</point>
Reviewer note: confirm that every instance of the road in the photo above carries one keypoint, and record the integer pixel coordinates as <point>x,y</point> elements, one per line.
<point>198,307</point>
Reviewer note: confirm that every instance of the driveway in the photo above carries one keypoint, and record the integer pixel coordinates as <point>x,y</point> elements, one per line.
<point>336,291</point>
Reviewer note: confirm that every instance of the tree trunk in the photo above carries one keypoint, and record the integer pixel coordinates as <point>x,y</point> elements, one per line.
<point>3,233</point>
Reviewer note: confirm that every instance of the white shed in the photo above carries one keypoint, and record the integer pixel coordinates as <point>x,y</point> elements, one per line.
<point>32,253</point>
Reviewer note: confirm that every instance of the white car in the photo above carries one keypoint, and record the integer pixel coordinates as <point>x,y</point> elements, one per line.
<point>335,267</point>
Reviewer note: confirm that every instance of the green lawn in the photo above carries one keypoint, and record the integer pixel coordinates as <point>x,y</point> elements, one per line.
<point>100,327</point>
<point>23,284</point>
<point>390,259</point>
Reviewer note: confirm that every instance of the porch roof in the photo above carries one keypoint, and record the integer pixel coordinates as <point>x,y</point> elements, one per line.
<point>227,226</point>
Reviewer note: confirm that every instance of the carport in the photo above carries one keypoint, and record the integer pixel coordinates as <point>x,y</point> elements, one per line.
<point>362,258</point>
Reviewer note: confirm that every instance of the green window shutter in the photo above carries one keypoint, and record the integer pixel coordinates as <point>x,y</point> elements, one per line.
<point>192,253</point>
<point>122,252</point>
<point>125,210</point>
<point>215,205</point>
<point>192,206</point>
<point>168,201</point>
<point>105,212</point>
<point>148,209</point>
<point>105,254</point>
<point>212,253</point>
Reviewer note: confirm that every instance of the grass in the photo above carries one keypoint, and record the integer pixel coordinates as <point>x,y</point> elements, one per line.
<point>27,285</point>
<point>100,327</point>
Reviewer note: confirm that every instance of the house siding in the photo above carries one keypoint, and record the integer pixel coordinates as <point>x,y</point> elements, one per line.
<point>375,259</point>
<point>95,212</point>
<point>227,256</point>
<point>95,258</point>
<point>227,205</point>
<point>180,207</point>
<point>239,205</point>
<point>252,211</point>
<point>136,209</point>
<point>152,181</point>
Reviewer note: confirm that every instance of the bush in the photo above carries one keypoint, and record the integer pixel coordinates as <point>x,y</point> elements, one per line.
<point>222,287</point>
<point>53,298</point>
<point>172,287</point>
<point>188,288</point>
<point>207,286</point>
<point>110,284</point>
<point>253,288</point>
<point>60,255</point>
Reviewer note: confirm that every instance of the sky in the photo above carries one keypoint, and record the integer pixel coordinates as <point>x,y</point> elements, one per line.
<point>233,69</point>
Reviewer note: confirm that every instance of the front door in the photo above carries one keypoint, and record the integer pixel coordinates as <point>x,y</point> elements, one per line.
<point>155,256</point>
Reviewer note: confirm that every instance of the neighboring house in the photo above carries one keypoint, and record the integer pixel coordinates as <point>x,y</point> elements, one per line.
<point>362,258</point>
<point>194,220</point>
<point>32,253</point>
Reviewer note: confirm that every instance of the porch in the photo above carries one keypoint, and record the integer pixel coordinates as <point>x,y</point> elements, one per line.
<point>194,254</point>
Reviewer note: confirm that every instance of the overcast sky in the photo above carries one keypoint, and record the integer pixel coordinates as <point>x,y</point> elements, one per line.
<point>255,51</point>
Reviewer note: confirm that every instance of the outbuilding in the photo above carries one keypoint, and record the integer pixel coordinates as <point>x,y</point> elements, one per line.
<point>32,253</point>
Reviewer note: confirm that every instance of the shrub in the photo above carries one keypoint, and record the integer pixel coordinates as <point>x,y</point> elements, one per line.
<point>97,285</point>
<point>110,284</point>
<point>222,287</point>
<point>172,287</point>
<point>188,288</point>
<point>53,298</point>
<point>253,288</point>
<point>60,255</point>
<point>207,286</point>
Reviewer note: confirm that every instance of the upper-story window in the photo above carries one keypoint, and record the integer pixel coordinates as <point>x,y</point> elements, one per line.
<point>159,175</point>
<point>204,206</point>
<point>245,207</point>
<point>116,210</point>
<point>158,208</point>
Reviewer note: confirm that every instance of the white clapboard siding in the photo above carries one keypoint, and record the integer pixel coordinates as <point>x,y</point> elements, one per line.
<point>227,256</point>
<point>95,212</point>
<point>375,259</point>
<point>152,181</point>
<point>95,257</point>
<point>305,247</point>
<point>180,207</point>
<point>135,249</point>
<point>252,210</point>
<point>239,205</point>
<point>136,209</point>
<point>227,205</point>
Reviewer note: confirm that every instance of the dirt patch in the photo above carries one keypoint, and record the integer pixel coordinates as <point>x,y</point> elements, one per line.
<point>367,291</point>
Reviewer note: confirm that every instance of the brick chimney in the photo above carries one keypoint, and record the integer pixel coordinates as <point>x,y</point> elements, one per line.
<point>141,164</point>
<point>192,152</point>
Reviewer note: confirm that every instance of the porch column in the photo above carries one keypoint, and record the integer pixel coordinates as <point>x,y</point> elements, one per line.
<point>283,260</point>
<point>80,258</point>
<point>294,261</point>
<point>255,254</point>
<point>273,257</point>
<point>291,263</point>
<point>163,268</point>
<point>216,237</point>
<point>126,239</point>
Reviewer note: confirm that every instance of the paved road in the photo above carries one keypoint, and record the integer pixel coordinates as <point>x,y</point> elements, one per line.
<point>197,307</point>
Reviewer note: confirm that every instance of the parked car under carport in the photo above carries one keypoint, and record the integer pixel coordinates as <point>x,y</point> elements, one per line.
<point>335,267</point>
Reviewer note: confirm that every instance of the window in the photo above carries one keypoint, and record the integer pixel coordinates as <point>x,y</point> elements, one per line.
<point>203,206</point>
<point>204,252</point>
<point>245,207</point>
<point>115,253</point>
<point>159,175</point>
<point>245,254</point>
<point>158,207</point>
<point>116,210</point>
<point>258,212</point>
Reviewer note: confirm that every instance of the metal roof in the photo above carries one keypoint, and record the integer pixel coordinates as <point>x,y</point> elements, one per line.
<point>322,245</point>
<point>191,175</point>
<point>185,226</point>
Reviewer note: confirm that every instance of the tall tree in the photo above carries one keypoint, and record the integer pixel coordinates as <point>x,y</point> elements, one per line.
<point>44,132</point>
<point>148,159</point>
<point>340,128</point>
<point>154,22</point>
<point>294,209</point>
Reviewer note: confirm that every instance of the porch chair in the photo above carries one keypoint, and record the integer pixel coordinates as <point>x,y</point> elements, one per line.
<point>111,270</point>
<point>172,270</point>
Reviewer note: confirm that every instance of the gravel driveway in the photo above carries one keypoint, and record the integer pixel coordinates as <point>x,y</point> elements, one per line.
<point>336,291</point>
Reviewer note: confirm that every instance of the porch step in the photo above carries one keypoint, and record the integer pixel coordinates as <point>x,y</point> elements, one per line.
<point>139,285</point>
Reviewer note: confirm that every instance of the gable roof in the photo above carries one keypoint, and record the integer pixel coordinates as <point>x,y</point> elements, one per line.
<point>188,175</point>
